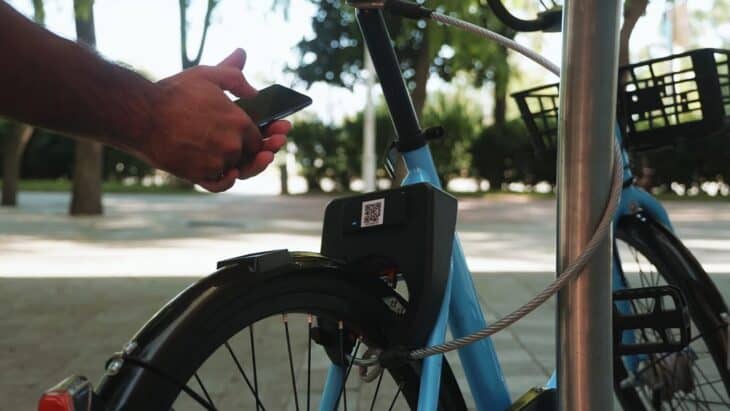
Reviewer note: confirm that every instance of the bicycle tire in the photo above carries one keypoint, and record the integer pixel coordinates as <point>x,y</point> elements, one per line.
<point>326,293</point>
<point>676,266</point>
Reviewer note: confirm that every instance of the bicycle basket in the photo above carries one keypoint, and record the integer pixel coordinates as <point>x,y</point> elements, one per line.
<point>682,96</point>
<point>660,101</point>
<point>539,110</point>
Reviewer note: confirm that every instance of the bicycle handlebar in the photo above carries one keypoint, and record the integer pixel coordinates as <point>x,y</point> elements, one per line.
<point>546,21</point>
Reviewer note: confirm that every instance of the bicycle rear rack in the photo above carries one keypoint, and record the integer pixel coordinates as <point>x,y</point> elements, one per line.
<point>666,320</point>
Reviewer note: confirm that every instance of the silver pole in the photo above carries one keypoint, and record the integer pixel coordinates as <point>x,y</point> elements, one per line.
<point>585,158</point>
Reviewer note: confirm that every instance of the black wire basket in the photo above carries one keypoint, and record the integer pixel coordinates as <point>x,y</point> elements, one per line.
<point>660,102</point>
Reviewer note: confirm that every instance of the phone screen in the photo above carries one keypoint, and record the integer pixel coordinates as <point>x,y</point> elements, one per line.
<point>273,103</point>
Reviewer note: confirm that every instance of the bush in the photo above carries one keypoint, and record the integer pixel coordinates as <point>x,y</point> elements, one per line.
<point>504,155</point>
<point>462,120</point>
<point>49,155</point>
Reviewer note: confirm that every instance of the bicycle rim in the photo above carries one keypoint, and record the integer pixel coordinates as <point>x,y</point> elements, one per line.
<point>269,357</point>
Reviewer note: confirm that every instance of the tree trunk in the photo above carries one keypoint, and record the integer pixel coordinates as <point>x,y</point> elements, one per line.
<point>501,81</point>
<point>86,185</point>
<point>86,195</point>
<point>13,146</point>
<point>284,179</point>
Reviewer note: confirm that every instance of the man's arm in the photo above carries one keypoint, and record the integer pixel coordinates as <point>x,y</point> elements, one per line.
<point>184,124</point>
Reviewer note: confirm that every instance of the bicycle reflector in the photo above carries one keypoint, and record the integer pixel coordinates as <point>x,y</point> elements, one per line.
<point>72,394</point>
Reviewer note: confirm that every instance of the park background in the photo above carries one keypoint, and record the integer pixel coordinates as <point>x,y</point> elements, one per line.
<point>458,81</point>
<point>74,290</point>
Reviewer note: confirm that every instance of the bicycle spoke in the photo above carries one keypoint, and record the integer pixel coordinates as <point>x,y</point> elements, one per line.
<point>205,392</point>
<point>392,404</point>
<point>377,388</point>
<point>343,393</point>
<point>309,358</point>
<point>253,364</point>
<point>291,361</point>
<point>709,382</point>
<point>705,378</point>
<point>245,378</point>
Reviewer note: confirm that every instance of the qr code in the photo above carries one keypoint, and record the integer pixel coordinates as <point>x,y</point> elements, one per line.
<point>372,212</point>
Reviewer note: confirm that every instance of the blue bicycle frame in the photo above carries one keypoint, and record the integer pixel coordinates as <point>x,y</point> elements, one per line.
<point>460,308</point>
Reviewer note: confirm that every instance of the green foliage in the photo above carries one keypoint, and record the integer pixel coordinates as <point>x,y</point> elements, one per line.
<point>50,156</point>
<point>335,151</point>
<point>503,154</point>
<point>319,151</point>
<point>462,120</point>
<point>335,53</point>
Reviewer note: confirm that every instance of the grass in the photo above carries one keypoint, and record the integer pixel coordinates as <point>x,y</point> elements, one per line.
<point>63,185</point>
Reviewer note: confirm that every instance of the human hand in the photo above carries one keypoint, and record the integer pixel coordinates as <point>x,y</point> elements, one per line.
<point>200,135</point>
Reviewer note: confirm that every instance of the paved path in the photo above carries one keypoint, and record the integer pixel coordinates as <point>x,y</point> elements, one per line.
<point>74,290</point>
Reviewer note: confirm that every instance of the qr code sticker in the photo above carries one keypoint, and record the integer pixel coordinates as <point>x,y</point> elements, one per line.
<point>372,212</point>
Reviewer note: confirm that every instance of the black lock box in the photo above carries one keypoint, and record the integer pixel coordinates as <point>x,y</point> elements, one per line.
<point>407,230</point>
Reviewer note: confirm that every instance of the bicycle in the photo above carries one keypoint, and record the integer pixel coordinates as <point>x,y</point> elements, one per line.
<point>365,306</point>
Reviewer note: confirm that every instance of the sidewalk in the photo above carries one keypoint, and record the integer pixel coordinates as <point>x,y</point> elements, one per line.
<point>74,290</point>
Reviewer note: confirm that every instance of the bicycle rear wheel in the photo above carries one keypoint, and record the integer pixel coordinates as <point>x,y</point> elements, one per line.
<point>697,377</point>
<point>269,348</point>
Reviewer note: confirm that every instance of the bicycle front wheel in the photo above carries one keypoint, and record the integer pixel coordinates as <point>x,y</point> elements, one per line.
<point>269,346</point>
<point>696,378</point>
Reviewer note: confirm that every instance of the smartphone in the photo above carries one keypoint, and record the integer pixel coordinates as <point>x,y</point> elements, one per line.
<point>273,103</point>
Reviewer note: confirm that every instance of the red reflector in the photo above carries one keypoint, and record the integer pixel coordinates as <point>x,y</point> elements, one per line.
<point>56,401</point>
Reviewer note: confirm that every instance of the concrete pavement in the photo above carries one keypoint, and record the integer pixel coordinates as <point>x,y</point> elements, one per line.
<point>74,290</point>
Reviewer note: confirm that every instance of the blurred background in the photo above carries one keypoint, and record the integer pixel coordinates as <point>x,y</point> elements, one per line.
<point>73,289</point>
<point>457,81</point>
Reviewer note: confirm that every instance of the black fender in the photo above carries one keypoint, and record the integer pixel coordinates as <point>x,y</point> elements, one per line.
<point>139,366</point>
<point>656,236</point>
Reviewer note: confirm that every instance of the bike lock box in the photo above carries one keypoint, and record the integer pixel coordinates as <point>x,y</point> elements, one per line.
<point>406,231</point>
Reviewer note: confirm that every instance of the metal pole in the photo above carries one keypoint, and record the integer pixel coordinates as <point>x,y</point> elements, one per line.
<point>368,145</point>
<point>585,158</point>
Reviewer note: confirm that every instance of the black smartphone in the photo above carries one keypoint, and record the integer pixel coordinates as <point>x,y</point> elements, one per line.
<point>273,103</point>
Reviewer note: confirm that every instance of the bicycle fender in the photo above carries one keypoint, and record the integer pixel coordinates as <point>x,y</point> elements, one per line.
<point>660,237</point>
<point>145,352</point>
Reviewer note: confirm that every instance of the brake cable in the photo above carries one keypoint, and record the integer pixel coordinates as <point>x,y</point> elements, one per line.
<point>417,11</point>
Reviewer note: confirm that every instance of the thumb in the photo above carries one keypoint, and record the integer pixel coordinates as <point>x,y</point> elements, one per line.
<point>237,59</point>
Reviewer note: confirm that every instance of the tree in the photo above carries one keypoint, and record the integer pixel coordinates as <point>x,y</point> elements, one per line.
<point>187,62</point>
<point>462,117</point>
<point>86,186</point>
<point>15,142</point>
<point>335,53</point>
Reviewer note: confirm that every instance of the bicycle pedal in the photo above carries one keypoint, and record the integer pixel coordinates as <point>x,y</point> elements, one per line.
<point>664,320</point>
